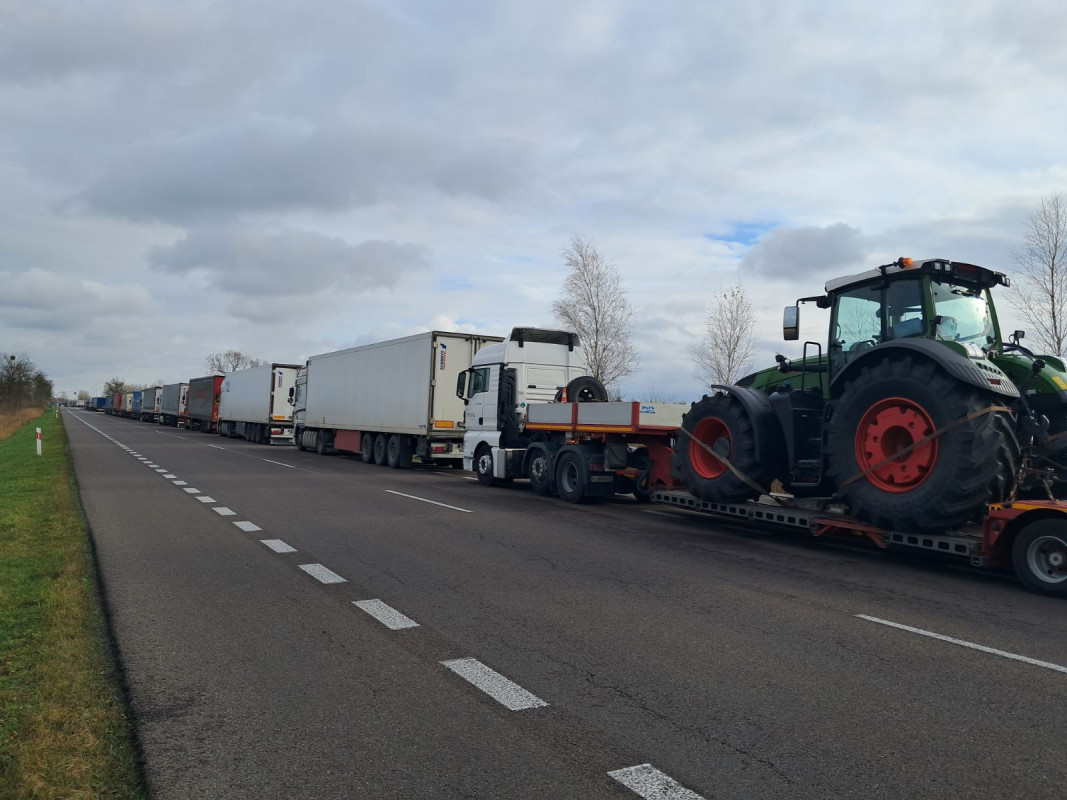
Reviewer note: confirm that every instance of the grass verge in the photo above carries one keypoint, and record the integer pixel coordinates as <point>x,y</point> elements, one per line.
<point>63,729</point>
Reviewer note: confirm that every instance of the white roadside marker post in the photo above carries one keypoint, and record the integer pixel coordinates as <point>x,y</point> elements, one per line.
<point>38,441</point>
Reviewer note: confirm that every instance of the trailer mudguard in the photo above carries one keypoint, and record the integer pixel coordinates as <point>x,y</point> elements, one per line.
<point>982,374</point>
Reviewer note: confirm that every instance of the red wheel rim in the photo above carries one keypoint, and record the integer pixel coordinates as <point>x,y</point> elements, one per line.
<point>715,433</point>
<point>888,427</point>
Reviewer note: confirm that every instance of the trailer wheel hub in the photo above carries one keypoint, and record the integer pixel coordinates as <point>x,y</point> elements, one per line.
<point>885,431</point>
<point>1047,557</point>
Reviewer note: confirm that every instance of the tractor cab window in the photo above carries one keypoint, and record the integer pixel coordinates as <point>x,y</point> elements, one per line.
<point>962,314</point>
<point>857,323</point>
<point>904,310</point>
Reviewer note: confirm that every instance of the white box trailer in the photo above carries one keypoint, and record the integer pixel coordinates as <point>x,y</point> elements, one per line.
<point>388,401</point>
<point>257,403</point>
<point>172,402</point>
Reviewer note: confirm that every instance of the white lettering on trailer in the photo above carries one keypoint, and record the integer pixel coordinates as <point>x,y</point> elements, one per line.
<point>963,643</point>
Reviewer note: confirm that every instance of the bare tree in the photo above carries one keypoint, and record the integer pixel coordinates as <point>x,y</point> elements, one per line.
<point>231,361</point>
<point>1039,293</point>
<point>22,385</point>
<point>83,395</point>
<point>729,343</point>
<point>593,304</point>
<point>114,386</point>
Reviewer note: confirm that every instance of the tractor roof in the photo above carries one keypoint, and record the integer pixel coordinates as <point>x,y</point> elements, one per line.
<point>901,268</point>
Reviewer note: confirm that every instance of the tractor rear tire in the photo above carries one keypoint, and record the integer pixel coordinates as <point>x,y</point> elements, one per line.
<point>936,487</point>
<point>722,423</point>
<point>540,468</point>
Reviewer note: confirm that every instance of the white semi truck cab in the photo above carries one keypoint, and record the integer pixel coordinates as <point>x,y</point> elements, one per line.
<point>532,365</point>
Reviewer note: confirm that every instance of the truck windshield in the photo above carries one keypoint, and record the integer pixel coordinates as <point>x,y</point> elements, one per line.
<point>964,313</point>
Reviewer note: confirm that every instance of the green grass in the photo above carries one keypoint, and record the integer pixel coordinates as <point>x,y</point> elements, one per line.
<point>63,726</point>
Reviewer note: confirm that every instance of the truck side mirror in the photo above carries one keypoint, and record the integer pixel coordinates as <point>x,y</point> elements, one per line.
<point>791,323</point>
<point>461,386</point>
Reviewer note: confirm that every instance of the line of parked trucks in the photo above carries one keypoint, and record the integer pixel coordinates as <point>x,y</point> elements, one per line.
<point>919,427</point>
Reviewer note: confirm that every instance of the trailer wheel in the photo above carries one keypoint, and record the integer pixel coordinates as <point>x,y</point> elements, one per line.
<point>940,485</point>
<point>381,454</point>
<point>1039,555</point>
<point>321,444</point>
<point>366,448</point>
<point>393,455</point>
<point>483,465</point>
<point>540,469</point>
<point>570,476</point>
<point>298,439</point>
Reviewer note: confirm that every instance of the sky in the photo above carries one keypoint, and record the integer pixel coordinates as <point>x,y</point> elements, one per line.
<point>286,179</point>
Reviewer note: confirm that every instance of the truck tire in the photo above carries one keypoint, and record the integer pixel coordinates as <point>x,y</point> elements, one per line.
<point>584,389</point>
<point>722,423</point>
<point>298,439</point>
<point>540,468</point>
<point>639,459</point>
<point>321,445</point>
<point>366,448</point>
<point>483,465</point>
<point>381,456</point>
<point>570,476</point>
<point>399,453</point>
<point>939,486</point>
<point>1039,555</point>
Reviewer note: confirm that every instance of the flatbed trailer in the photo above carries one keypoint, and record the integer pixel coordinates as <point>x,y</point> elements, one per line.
<point>1027,537</point>
<point>586,450</point>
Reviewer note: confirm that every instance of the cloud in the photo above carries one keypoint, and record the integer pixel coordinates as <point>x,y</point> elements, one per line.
<point>789,253</point>
<point>39,299</point>
<point>287,263</point>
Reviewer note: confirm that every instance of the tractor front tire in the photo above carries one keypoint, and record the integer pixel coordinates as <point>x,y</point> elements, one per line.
<point>937,486</point>
<point>721,423</point>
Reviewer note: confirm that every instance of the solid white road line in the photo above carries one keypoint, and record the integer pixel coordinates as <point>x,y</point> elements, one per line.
<point>649,782</point>
<point>962,643</point>
<point>222,511</point>
<point>216,447</point>
<point>385,614</point>
<point>432,502</point>
<point>279,463</point>
<point>180,483</point>
<point>168,476</point>
<point>246,526</point>
<point>509,694</point>
<point>321,574</point>
<point>191,490</point>
<point>277,545</point>
<point>205,499</point>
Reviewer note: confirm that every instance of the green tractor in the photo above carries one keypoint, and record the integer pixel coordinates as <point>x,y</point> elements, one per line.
<point>915,418</point>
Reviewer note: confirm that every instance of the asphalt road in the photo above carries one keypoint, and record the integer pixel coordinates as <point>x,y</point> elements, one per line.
<point>730,661</point>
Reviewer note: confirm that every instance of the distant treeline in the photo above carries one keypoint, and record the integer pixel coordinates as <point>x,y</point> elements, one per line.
<point>22,384</point>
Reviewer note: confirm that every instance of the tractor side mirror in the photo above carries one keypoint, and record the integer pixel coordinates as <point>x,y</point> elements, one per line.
<point>1015,337</point>
<point>791,323</point>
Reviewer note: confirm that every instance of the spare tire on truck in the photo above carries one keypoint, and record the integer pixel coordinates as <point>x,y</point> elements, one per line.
<point>939,485</point>
<point>722,423</point>
<point>585,389</point>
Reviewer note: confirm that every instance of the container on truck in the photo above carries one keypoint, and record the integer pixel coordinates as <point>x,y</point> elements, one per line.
<point>172,405</point>
<point>389,401</point>
<point>127,404</point>
<point>532,412</point>
<point>202,403</point>
<point>135,407</point>
<point>99,404</point>
<point>116,403</point>
<point>257,403</point>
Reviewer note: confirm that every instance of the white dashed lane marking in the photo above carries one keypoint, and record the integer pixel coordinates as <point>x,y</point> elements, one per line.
<point>962,643</point>
<point>277,545</point>
<point>205,499</point>
<point>649,782</point>
<point>279,463</point>
<point>247,526</point>
<point>385,614</point>
<point>160,469</point>
<point>168,476</point>
<point>321,574</point>
<point>431,502</point>
<point>180,483</point>
<point>508,693</point>
<point>222,511</point>
<point>191,490</point>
